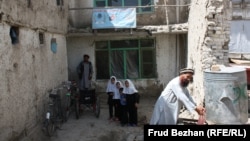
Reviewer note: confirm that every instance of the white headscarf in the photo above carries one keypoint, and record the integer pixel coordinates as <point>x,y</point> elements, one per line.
<point>117,92</point>
<point>121,85</point>
<point>111,87</point>
<point>130,89</point>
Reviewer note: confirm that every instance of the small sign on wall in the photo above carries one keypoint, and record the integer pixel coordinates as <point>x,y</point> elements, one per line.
<point>53,45</point>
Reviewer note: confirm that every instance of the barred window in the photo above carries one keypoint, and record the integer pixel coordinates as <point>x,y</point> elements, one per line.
<point>132,59</point>
<point>123,3</point>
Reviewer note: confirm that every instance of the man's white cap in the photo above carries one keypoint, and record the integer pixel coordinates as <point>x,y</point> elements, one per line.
<point>187,70</point>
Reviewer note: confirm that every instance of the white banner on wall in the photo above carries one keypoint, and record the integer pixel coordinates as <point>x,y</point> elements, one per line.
<point>114,18</point>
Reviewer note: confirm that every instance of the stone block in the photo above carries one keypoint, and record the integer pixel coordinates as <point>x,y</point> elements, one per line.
<point>208,40</point>
<point>215,68</point>
<point>209,15</point>
<point>211,23</point>
<point>218,28</point>
<point>216,47</point>
<point>234,55</point>
<point>211,33</point>
<point>219,40</point>
<point>219,32</point>
<point>246,56</point>
<point>210,28</point>
<point>219,10</point>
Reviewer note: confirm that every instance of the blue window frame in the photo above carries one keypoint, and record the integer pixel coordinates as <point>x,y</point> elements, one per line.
<point>132,58</point>
<point>124,3</point>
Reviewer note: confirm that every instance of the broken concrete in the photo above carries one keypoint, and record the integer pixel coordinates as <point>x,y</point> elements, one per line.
<point>208,36</point>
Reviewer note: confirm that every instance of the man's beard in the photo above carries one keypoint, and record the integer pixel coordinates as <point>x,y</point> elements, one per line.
<point>185,83</point>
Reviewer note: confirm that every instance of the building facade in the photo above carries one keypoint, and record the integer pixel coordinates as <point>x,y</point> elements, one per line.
<point>177,34</point>
<point>42,42</point>
<point>150,53</point>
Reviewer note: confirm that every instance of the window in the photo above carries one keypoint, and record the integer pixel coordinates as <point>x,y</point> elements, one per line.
<point>100,3</point>
<point>103,3</point>
<point>132,59</point>
<point>59,2</point>
<point>41,38</point>
<point>14,33</point>
<point>28,3</point>
<point>146,3</point>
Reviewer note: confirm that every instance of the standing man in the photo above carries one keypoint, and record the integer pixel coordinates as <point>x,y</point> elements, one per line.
<point>173,97</point>
<point>85,72</point>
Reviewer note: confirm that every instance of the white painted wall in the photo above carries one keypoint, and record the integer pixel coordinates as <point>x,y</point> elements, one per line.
<point>166,57</point>
<point>197,30</point>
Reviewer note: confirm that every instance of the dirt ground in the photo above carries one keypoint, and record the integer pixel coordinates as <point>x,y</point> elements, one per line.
<point>90,128</point>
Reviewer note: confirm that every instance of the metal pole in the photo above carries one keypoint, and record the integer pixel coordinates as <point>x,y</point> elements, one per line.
<point>166,10</point>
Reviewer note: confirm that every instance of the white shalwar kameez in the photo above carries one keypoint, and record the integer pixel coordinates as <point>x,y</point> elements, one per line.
<point>168,105</point>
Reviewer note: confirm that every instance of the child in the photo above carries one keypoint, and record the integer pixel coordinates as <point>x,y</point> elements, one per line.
<point>111,87</point>
<point>116,101</point>
<point>121,109</point>
<point>124,109</point>
<point>132,100</point>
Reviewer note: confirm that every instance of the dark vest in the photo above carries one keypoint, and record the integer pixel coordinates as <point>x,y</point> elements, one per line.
<point>81,65</point>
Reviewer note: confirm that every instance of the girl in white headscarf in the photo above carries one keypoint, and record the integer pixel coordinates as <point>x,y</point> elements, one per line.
<point>111,88</point>
<point>132,98</point>
<point>116,100</point>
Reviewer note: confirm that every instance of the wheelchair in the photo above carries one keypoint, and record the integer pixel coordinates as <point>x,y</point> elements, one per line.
<point>87,99</point>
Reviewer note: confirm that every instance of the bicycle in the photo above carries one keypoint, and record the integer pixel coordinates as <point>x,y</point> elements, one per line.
<point>54,115</point>
<point>70,98</point>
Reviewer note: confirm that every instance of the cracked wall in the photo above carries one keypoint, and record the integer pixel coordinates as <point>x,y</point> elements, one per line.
<point>208,38</point>
<point>29,68</point>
